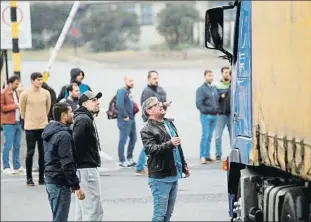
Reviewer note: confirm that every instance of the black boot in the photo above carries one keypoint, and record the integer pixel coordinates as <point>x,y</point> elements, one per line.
<point>30,182</point>
<point>41,181</point>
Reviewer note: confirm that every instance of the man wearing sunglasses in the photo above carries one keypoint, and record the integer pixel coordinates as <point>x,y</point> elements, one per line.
<point>166,162</point>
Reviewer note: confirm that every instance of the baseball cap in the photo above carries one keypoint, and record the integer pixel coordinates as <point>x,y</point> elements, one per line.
<point>89,95</point>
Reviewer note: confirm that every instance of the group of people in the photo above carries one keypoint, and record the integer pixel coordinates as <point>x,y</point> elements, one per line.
<point>213,102</point>
<point>68,142</point>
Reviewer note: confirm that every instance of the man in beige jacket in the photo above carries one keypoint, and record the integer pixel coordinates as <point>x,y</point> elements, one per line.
<point>35,105</point>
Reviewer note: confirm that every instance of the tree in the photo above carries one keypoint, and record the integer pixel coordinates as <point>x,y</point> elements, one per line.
<point>175,24</point>
<point>108,29</point>
<point>48,20</point>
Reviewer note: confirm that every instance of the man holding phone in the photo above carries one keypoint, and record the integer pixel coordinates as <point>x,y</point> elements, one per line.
<point>152,89</point>
<point>166,162</point>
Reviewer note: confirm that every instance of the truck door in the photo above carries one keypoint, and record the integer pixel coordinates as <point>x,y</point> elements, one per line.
<point>241,87</point>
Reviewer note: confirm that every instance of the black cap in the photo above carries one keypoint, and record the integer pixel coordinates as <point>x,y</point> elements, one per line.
<point>89,95</point>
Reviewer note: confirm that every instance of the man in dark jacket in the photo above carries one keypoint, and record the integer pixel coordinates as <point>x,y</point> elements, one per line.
<point>60,170</point>
<point>53,98</point>
<point>166,161</point>
<point>87,157</point>
<point>207,103</point>
<point>151,90</point>
<point>126,122</point>
<point>73,96</point>
<point>223,119</point>
<point>76,75</point>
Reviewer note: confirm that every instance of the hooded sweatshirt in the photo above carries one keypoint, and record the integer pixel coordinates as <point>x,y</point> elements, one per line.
<point>85,139</point>
<point>73,75</point>
<point>60,167</point>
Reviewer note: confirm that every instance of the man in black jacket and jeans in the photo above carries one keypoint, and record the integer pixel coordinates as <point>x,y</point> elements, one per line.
<point>151,90</point>
<point>87,157</point>
<point>60,169</point>
<point>207,102</point>
<point>166,162</point>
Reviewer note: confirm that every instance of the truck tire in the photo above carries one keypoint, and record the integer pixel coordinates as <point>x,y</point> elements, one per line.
<point>295,207</point>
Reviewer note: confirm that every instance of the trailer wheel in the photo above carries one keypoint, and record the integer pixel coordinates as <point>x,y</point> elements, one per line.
<point>295,207</point>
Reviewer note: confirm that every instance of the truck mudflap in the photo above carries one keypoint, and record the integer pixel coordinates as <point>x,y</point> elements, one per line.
<point>288,154</point>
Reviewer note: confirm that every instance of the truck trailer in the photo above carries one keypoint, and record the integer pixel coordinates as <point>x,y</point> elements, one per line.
<point>269,165</point>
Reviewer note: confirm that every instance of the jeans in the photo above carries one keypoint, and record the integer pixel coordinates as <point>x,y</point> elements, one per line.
<point>164,196</point>
<point>89,209</point>
<point>59,198</point>
<point>222,121</point>
<point>33,137</point>
<point>12,138</point>
<point>141,160</point>
<point>127,129</point>
<point>208,123</point>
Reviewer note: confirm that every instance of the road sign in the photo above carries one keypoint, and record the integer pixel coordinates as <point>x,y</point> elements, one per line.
<point>24,25</point>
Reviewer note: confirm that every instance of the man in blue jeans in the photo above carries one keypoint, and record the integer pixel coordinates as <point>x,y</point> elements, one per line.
<point>152,89</point>
<point>166,162</point>
<point>12,129</point>
<point>126,122</point>
<point>207,102</point>
<point>223,119</point>
<point>60,169</point>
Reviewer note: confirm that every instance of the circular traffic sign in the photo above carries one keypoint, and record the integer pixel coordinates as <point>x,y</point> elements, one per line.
<point>6,15</point>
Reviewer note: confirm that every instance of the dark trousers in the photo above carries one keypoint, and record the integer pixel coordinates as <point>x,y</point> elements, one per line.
<point>33,137</point>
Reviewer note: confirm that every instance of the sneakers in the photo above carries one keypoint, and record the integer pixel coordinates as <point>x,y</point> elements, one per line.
<point>21,170</point>
<point>131,163</point>
<point>30,182</point>
<point>7,171</point>
<point>218,159</point>
<point>143,172</point>
<point>123,164</point>
<point>208,160</point>
<point>203,160</point>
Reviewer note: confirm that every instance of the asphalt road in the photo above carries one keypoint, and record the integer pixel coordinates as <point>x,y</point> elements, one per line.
<point>126,196</point>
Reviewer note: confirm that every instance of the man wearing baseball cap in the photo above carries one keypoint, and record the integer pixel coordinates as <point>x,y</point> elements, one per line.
<point>87,157</point>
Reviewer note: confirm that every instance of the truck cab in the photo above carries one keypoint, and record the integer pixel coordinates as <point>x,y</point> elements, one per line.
<point>269,166</point>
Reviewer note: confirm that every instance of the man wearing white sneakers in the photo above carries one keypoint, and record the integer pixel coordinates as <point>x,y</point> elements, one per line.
<point>12,129</point>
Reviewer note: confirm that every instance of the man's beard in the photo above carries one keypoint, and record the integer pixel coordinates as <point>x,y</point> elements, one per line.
<point>226,79</point>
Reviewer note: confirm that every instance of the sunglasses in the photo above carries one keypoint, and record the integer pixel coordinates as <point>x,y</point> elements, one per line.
<point>154,105</point>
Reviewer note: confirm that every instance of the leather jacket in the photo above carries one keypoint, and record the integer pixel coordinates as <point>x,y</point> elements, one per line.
<point>159,149</point>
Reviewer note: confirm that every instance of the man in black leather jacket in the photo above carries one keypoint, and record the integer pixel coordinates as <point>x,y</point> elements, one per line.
<point>166,162</point>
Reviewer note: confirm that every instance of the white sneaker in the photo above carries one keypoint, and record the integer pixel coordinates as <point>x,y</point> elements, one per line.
<point>21,170</point>
<point>123,164</point>
<point>131,163</point>
<point>7,171</point>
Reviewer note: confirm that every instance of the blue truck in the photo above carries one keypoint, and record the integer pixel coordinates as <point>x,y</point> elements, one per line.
<point>269,166</point>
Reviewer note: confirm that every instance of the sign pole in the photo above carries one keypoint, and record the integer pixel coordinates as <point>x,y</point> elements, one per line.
<point>6,64</point>
<point>15,48</point>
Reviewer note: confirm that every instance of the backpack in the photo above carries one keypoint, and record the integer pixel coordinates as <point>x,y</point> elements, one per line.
<point>112,112</point>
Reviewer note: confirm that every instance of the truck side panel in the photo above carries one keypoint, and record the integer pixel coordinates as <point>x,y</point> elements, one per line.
<point>281,85</point>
